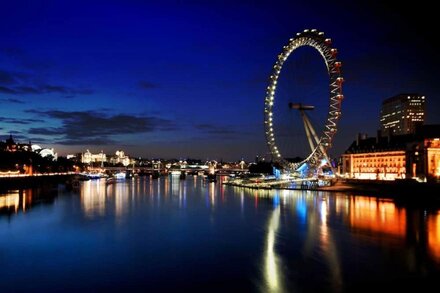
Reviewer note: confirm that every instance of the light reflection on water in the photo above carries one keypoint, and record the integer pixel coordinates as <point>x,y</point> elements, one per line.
<point>268,240</point>
<point>272,263</point>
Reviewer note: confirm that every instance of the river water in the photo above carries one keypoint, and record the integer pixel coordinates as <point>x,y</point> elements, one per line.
<point>169,235</point>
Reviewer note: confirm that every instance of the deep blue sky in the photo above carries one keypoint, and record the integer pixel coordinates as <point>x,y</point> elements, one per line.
<point>188,78</point>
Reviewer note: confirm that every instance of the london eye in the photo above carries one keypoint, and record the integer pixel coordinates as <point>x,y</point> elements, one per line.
<point>318,142</point>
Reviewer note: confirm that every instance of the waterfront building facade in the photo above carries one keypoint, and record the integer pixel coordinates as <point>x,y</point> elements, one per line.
<point>384,165</point>
<point>395,157</point>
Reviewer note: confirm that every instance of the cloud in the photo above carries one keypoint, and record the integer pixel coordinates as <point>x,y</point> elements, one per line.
<point>88,141</point>
<point>45,131</point>
<point>19,120</point>
<point>13,101</point>
<point>146,85</point>
<point>94,127</point>
<point>16,135</point>
<point>22,83</point>
<point>19,137</point>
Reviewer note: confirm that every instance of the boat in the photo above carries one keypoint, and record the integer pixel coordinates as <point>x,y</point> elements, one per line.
<point>94,175</point>
<point>182,175</point>
<point>120,175</point>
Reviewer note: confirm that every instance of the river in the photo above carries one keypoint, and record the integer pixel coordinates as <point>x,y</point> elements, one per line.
<point>169,235</point>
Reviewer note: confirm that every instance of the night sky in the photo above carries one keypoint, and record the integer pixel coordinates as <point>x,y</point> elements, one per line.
<point>179,79</point>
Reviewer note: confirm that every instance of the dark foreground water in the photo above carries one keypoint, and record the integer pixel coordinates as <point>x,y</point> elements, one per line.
<point>191,235</point>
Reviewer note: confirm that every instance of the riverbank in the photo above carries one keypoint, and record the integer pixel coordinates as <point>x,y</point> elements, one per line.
<point>30,181</point>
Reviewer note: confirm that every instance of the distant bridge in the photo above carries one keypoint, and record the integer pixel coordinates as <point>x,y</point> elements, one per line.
<point>138,169</point>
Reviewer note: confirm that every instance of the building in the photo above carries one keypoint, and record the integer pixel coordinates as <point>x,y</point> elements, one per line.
<point>9,145</point>
<point>121,158</point>
<point>88,157</point>
<point>395,157</point>
<point>45,152</point>
<point>375,158</point>
<point>402,114</point>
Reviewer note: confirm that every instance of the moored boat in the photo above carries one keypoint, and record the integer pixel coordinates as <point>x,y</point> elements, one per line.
<point>120,175</point>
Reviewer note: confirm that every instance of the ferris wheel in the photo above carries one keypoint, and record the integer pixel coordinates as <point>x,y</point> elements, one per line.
<point>319,142</point>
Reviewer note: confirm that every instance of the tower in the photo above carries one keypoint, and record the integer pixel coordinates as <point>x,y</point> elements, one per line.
<point>402,114</point>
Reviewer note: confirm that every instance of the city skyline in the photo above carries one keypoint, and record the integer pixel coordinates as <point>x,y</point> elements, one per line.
<point>186,79</point>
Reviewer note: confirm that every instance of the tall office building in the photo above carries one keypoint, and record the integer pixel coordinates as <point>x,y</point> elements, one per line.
<point>401,114</point>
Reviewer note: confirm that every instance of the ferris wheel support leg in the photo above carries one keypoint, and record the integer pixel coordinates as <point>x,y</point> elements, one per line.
<point>308,133</point>
<point>313,132</point>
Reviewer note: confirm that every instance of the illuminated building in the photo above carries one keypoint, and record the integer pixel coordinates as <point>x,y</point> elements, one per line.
<point>432,149</point>
<point>375,158</point>
<point>395,157</point>
<point>402,114</point>
<point>88,157</point>
<point>44,152</point>
<point>11,146</point>
<point>121,158</point>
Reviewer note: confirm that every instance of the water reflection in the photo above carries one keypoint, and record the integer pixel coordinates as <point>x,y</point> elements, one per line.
<point>21,200</point>
<point>182,194</point>
<point>93,198</point>
<point>272,262</point>
<point>99,199</point>
<point>329,247</point>
<point>10,201</point>
<point>312,241</point>
<point>326,216</point>
<point>212,193</point>
<point>434,235</point>
<point>377,215</point>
